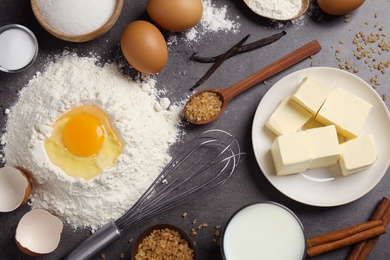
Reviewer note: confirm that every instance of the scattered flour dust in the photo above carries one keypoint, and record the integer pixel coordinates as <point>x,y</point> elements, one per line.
<point>214,19</point>
<point>147,132</point>
<point>277,9</point>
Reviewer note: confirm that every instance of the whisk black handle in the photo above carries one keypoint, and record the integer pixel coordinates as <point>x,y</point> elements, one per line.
<point>93,244</point>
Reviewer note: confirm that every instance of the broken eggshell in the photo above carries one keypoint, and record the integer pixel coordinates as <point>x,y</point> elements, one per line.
<point>15,189</point>
<point>38,232</point>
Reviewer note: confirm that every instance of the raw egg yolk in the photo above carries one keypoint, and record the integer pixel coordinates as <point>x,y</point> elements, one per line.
<point>83,142</point>
<point>83,135</point>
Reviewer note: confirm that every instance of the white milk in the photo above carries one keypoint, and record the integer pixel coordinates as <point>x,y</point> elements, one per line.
<point>17,49</point>
<point>264,231</point>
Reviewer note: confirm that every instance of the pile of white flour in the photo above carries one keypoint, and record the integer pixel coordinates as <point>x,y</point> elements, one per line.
<point>276,9</point>
<point>147,133</point>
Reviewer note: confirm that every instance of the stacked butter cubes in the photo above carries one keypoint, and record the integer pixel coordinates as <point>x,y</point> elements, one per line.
<point>337,116</point>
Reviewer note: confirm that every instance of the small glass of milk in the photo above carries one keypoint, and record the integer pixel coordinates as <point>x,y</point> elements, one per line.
<point>18,48</point>
<point>263,230</point>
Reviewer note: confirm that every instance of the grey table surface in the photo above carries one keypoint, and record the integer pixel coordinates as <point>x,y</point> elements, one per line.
<point>248,184</point>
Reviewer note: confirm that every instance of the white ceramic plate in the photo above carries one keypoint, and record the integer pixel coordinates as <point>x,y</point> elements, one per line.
<point>324,186</point>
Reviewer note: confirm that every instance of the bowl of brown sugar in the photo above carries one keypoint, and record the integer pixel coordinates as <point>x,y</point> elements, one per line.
<point>77,21</point>
<point>163,241</point>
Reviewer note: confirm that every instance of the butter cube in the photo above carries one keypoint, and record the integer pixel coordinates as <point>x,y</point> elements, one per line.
<point>310,95</point>
<point>357,154</point>
<point>313,123</point>
<point>288,117</point>
<point>291,153</point>
<point>324,146</point>
<point>346,111</point>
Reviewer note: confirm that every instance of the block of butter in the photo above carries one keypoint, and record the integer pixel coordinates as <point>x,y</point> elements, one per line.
<point>346,111</point>
<point>310,95</point>
<point>291,153</point>
<point>313,123</point>
<point>324,146</point>
<point>288,117</point>
<point>357,154</point>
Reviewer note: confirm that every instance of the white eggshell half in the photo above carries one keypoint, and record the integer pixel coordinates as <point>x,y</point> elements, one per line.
<point>13,185</point>
<point>38,231</point>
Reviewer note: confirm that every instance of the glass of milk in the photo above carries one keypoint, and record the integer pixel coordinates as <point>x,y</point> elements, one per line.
<point>18,48</point>
<point>263,230</point>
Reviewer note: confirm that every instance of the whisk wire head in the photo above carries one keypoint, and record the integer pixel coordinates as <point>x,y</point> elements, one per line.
<point>206,162</point>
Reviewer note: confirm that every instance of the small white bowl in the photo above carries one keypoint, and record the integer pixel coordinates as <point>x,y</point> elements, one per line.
<point>18,48</point>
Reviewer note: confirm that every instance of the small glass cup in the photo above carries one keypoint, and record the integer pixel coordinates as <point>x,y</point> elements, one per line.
<point>263,230</point>
<point>12,49</point>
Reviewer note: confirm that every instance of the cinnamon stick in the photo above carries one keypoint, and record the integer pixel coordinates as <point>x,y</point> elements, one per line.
<point>343,233</point>
<point>362,249</point>
<point>347,241</point>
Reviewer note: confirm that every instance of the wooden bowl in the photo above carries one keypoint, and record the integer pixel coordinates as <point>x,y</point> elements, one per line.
<point>149,230</point>
<point>82,37</point>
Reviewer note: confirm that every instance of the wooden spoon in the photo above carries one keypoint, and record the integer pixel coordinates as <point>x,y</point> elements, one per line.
<point>225,95</point>
<point>305,6</point>
<point>78,38</point>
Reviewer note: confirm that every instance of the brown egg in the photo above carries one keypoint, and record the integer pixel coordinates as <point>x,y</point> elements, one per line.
<point>175,15</point>
<point>337,7</point>
<point>144,47</point>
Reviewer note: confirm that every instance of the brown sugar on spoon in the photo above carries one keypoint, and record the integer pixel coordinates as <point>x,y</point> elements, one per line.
<point>211,105</point>
<point>204,106</point>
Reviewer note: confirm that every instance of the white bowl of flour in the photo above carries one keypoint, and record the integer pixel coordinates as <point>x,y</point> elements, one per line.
<point>281,10</point>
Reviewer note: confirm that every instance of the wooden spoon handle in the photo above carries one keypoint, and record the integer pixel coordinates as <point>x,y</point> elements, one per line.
<point>272,69</point>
